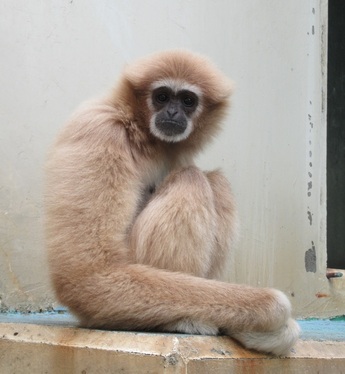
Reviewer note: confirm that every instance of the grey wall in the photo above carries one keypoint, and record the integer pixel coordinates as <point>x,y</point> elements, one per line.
<point>55,54</point>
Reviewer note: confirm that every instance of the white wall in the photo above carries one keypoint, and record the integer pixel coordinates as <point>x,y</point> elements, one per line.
<point>55,54</point>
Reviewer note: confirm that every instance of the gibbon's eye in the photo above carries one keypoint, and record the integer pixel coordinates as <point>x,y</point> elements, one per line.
<point>162,97</point>
<point>188,101</point>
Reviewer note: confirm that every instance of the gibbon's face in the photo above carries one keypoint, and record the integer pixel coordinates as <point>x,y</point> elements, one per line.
<point>174,105</point>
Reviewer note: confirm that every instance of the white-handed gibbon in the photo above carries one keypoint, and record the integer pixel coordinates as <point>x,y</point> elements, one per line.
<point>136,233</point>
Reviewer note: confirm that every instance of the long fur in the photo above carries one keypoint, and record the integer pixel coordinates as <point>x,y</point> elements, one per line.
<point>135,232</point>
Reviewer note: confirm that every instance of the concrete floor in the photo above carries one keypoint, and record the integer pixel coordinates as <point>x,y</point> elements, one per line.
<point>51,343</point>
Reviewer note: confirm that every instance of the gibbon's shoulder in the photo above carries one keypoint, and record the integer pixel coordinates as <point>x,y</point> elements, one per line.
<point>96,121</point>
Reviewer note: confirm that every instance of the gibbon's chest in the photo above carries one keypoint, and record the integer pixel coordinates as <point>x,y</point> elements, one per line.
<point>152,173</point>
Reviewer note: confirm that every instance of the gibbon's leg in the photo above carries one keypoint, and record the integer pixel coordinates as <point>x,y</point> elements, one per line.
<point>188,227</point>
<point>177,229</point>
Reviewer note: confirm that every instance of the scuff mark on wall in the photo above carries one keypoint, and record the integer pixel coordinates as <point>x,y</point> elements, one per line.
<point>310,259</point>
<point>310,217</point>
<point>310,153</point>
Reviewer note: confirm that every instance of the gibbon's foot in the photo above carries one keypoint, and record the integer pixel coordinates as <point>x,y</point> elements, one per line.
<point>278,342</point>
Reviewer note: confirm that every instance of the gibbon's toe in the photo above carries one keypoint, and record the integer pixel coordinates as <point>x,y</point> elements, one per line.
<point>278,342</point>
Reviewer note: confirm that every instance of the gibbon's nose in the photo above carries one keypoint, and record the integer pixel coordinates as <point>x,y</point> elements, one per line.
<point>172,113</point>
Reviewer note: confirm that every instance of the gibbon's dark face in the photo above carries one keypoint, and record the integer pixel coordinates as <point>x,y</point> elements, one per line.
<point>174,105</point>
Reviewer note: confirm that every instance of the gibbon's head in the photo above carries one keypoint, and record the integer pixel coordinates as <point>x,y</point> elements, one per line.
<point>181,96</point>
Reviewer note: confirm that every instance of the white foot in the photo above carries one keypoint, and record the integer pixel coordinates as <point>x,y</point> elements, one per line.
<point>278,342</point>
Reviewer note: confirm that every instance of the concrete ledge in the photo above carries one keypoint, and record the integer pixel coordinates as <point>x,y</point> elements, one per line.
<point>30,348</point>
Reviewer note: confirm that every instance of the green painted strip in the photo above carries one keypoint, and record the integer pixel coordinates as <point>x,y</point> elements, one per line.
<point>323,330</point>
<point>312,329</point>
<point>61,318</point>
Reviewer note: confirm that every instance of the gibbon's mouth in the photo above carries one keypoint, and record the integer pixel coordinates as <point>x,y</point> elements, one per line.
<point>171,128</point>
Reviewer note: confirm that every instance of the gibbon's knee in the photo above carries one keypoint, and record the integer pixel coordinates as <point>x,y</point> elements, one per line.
<point>176,230</point>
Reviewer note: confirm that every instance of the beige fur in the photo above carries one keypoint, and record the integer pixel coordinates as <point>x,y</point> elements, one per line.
<point>124,257</point>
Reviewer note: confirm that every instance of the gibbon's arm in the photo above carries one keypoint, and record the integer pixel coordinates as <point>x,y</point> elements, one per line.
<point>92,190</point>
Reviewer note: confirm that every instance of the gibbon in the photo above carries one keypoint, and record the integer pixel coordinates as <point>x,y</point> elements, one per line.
<point>136,233</point>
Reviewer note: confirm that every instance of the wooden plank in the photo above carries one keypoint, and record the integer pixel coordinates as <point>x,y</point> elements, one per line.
<point>57,349</point>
